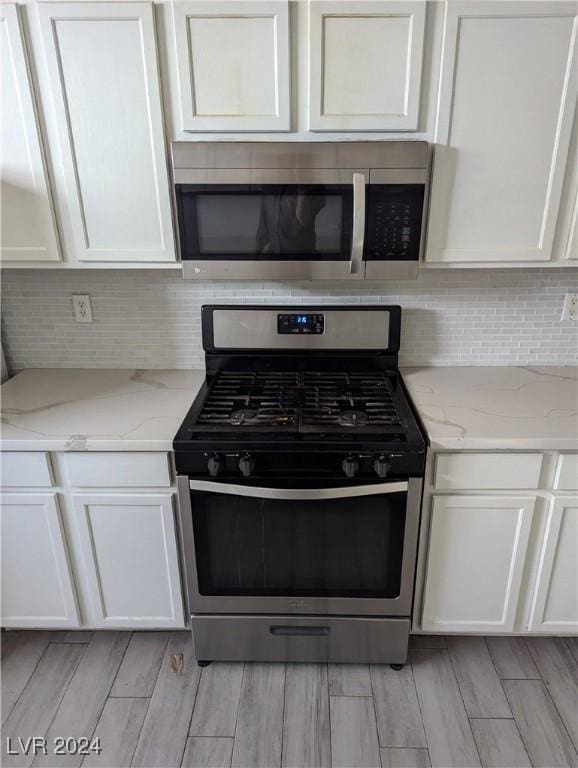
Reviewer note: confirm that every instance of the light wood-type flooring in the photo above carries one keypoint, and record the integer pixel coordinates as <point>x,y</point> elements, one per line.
<point>460,701</point>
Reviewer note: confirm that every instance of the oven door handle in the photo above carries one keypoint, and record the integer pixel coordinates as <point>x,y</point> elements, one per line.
<point>298,494</point>
<point>358,229</point>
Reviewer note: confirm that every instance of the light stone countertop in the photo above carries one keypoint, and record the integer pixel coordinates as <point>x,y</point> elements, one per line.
<point>95,409</point>
<point>497,407</point>
<point>128,410</point>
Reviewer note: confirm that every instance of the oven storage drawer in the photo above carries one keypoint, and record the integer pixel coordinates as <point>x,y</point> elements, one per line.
<point>289,638</point>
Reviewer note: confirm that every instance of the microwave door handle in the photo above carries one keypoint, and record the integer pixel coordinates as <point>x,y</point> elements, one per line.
<point>298,494</point>
<point>358,228</point>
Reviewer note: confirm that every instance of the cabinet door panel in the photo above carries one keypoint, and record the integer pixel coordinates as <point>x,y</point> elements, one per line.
<point>555,604</point>
<point>487,471</point>
<point>507,96</point>
<point>37,586</point>
<point>129,551</point>
<point>25,469</point>
<point>566,477</point>
<point>477,549</point>
<point>233,65</point>
<point>572,243</point>
<point>365,65</point>
<point>103,68</point>
<point>28,227</point>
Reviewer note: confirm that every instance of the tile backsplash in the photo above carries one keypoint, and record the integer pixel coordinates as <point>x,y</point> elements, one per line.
<point>151,319</point>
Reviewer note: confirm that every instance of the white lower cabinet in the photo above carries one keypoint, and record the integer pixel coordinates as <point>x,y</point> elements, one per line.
<point>95,547</point>
<point>476,556</point>
<point>37,584</point>
<point>555,601</point>
<point>129,552</point>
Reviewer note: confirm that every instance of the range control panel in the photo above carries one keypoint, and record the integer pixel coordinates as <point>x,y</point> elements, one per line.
<point>302,323</point>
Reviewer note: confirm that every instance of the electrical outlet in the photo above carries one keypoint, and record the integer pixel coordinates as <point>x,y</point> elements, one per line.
<point>82,308</point>
<point>570,308</point>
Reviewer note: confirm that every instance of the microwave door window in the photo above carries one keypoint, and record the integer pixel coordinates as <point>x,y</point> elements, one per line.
<point>283,223</point>
<point>226,224</point>
<point>292,224</point>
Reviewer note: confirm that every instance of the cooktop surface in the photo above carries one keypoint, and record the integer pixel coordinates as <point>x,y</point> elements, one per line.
<point>302,401</point>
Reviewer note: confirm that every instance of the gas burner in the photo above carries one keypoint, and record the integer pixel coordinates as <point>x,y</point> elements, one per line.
<point>352,419</point>
<point>244,416</point>
<point>306,402</point>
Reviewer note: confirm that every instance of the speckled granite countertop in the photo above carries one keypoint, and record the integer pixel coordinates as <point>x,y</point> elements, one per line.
<point>497,407</point>
<point>92,409</point>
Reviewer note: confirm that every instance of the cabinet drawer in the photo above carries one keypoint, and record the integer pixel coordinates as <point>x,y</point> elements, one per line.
<point>567,472</point>
<point>118,470</point>
<point>26,470</point>
<point>491,471</point>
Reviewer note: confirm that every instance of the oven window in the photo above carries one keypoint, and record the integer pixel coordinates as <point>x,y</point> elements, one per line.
<point>265,222</point>
<point>332,548</point>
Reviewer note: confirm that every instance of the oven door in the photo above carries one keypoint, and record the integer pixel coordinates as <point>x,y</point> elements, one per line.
<point>347,550</point>
<point>271,224</point>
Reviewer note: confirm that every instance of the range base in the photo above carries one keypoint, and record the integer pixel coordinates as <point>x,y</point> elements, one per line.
<point>344,640</point>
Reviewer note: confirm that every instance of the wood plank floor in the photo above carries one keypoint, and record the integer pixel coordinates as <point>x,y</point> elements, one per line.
<point>493,702</point>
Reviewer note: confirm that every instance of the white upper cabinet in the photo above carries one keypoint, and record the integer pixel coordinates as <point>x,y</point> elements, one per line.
<point>233,65</point>
<point>568,219</point>
<point>103,70</point>
<point>507,98</point>
<point>28,230</point>
<point>365,60</point>
<point>572,242</point>
<point>555,603</point>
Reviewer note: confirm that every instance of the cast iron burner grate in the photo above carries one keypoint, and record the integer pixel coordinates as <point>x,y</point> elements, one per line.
<point>308,401</point>
<point>251,400</point>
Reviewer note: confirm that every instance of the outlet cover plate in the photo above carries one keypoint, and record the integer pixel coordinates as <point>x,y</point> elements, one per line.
<point>82,308</point>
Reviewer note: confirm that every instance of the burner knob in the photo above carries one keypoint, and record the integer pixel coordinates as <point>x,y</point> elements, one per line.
<point>246,465</point>
<point>215,464</point>
<point>350,465</point>
<point>381,467</point>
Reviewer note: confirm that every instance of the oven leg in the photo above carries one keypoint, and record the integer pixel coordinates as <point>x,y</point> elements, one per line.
<point>397,667</point>
<point>203,663</point>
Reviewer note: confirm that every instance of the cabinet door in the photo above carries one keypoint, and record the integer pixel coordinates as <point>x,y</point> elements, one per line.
<point>233,65</point>
<point>365,60</point>
<point>568,219</point>
<point>571,251</point>
<point>507,96</point>
<point>477,549</point>
<point>555,603</point>
<point>129,551</point>
<point>37,586</point>
<point>28,229</point>
<point>103,68</point>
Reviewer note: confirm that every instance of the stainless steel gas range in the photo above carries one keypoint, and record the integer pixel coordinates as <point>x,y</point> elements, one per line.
<point>300,471</point>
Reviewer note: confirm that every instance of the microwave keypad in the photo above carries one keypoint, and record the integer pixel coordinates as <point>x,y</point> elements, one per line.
<point>392,234</point>
<point>394,222</point>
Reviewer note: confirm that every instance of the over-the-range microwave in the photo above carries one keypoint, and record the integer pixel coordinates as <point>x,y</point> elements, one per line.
<point>301,210</point>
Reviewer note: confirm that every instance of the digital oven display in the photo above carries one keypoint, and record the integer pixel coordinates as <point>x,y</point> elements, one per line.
<point>300,323</point>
